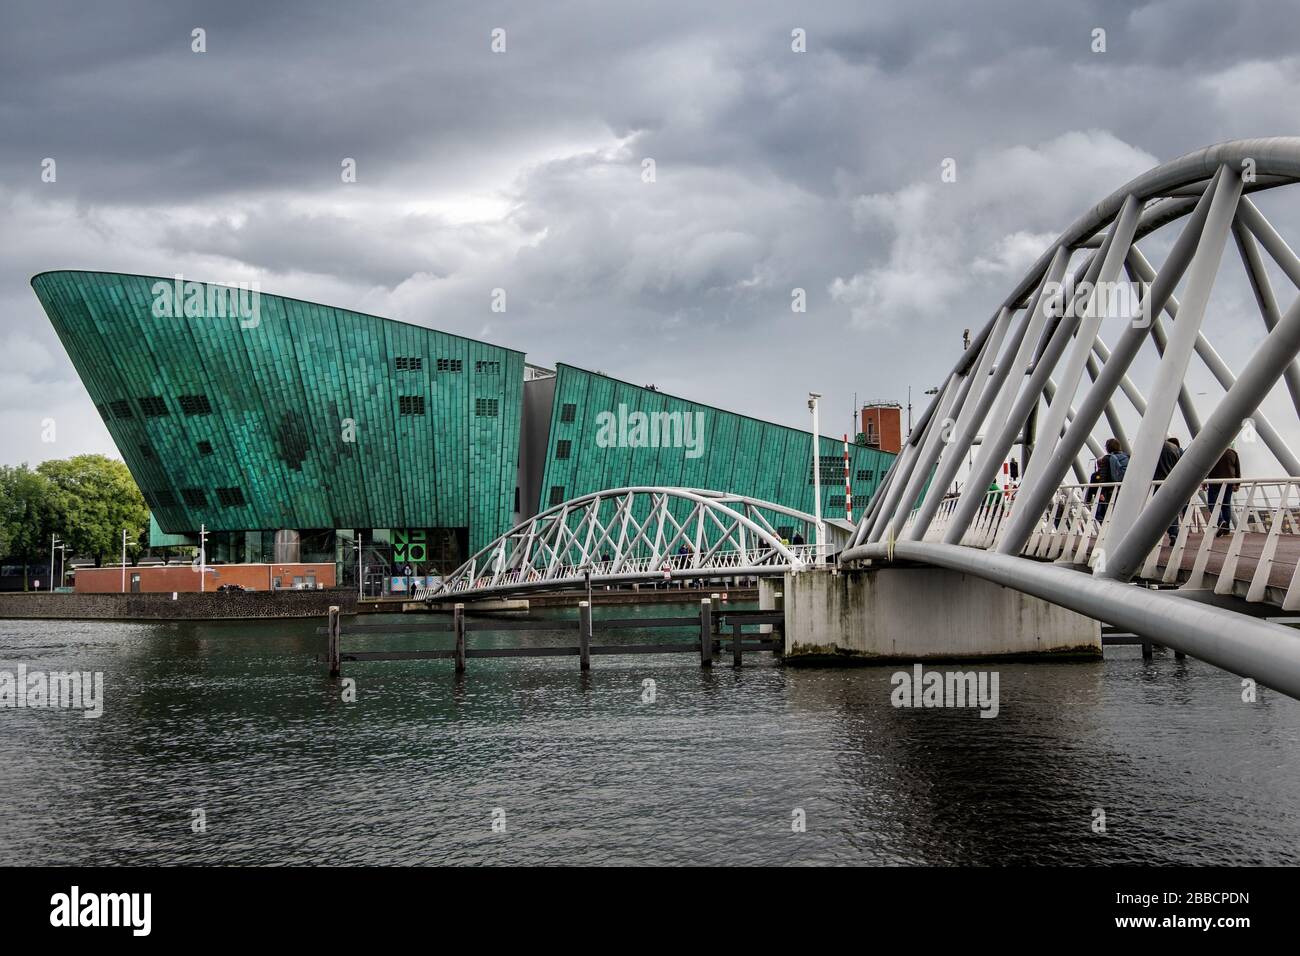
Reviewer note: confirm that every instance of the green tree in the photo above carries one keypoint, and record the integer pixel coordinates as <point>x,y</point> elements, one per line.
<point>25,515</point>
<point>92,498</point>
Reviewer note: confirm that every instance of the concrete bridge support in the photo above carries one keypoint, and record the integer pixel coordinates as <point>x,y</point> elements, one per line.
<point>770,598</point>
<point>924,613</point>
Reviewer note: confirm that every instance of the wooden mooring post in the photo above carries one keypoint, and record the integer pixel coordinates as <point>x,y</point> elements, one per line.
<point>584,635</point>
<point>736,653</point>
<point>334,641</point>
<point>706,633</point>
<point>458,628</point>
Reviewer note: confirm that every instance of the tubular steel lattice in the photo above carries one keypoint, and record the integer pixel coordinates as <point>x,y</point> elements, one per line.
<point>1022,382</point>
<point>641,534</point>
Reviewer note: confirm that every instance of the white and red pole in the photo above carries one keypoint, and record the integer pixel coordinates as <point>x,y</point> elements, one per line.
<point>848,487</point>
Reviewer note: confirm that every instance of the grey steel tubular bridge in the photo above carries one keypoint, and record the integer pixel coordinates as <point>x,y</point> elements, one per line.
<point>1022,382</point>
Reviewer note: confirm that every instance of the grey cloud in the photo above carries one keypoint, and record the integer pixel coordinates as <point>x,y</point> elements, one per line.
<point>775,169</point>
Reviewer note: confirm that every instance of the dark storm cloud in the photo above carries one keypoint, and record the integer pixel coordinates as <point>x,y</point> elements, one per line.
<point>775,170</point>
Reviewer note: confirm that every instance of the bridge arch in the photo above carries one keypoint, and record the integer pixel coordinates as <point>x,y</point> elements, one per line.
<point>636,534</point>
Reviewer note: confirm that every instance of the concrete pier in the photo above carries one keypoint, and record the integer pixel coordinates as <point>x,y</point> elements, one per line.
<point>916,613</point>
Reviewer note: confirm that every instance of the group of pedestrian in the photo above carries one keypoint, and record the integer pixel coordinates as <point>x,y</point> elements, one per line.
<point>1112,466</point>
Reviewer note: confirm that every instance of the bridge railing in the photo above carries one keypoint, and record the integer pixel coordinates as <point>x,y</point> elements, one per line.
<point>1076,524</point>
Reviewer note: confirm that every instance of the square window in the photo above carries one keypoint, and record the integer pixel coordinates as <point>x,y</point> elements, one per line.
<point>410,404</point>
<point>557,495</point>
<point>449,365</point>
<point>568,412</point>
<point>488,368</point>
<point>195,405</point>
<point>485,407</point>
<point>194,497</point>
<point>230,497</point>
<point>153,406</point>
<point>205,448</point>
<point>562,448</point>
<point>121,409</point>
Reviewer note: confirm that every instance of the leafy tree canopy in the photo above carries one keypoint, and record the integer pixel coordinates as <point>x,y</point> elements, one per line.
<point>90,499</point>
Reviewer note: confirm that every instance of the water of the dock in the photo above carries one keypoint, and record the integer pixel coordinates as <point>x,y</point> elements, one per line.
<point>239,720</point>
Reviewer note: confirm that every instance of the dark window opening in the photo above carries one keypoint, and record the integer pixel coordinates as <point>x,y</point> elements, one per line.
<point>146,451</point>
<point>485,407</point>
<point>449,365</point>
<point>205,448</point>
<point>568,412</point>
<point>195,405</point>
<point>488,368</point>
<point>230,497</point>
<point>866,474</point>
<point>562,448</point>
<point>832,470</point>
<point>121,409</point>
<point>557,495</point>
<point>409,363</point>
<point>194,497</point>
<point>165,498</point>
<point>411,404</point>
<point>153,406</point>
<point>103,412</point>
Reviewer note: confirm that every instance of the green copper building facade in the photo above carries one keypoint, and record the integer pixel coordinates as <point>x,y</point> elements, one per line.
<point>596,441</point>
<point>256,416</point>
<point>305,417</point>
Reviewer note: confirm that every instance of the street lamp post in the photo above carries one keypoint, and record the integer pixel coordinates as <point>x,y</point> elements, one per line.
<point>817,469</point>
<point>203,557</point>
<point>54,540</point>
<point>361,571</point>
<point>123,560</point>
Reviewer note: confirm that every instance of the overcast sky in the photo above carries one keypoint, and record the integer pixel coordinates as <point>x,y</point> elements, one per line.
<point>522,170</point>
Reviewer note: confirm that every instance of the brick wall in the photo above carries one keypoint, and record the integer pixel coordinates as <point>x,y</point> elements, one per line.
<point>886,423</point>
<point>183,577</point>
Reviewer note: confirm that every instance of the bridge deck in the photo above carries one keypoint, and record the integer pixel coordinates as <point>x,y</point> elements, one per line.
<point>1286,556</point>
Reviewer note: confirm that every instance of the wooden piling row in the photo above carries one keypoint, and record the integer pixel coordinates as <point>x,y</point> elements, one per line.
<point>708,622</point>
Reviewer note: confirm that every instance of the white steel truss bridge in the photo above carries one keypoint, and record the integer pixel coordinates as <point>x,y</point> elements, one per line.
<point>643,534</point>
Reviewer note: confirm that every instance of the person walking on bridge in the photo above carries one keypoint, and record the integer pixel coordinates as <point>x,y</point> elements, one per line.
<point>1228,466</point>
<point>1169,456</point>
<point>1109,472</point>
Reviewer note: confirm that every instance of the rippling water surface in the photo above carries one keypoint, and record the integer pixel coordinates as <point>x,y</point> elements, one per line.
<point>239,719</point>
